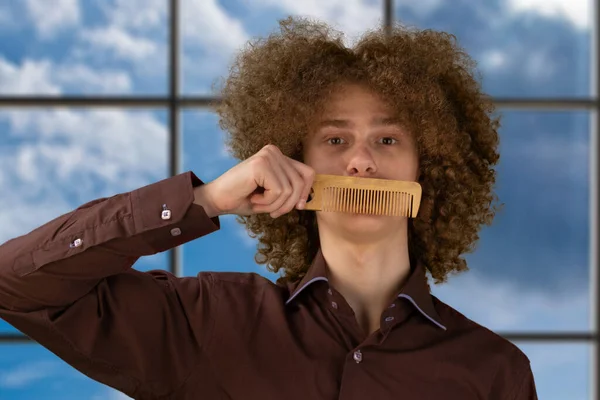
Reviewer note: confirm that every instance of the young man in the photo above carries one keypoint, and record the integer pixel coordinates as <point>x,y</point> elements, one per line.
<point>352,316</point>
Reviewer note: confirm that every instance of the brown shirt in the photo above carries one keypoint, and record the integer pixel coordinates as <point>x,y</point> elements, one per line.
<point>69,285</point>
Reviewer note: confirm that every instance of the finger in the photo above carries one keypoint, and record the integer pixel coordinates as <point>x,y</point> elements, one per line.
<point>297,184</point>
<point>265,179</point>
<point>277,187</point>
<point>308,176</point>
<point>270,178</point>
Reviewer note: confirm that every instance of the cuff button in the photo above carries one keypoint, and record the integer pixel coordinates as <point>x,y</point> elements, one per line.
<point>166,213</point>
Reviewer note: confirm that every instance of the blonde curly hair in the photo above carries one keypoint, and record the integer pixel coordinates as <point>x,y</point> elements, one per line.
<point>278,84</point>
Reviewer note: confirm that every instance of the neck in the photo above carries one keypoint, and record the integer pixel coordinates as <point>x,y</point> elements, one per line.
<point>368,270</point>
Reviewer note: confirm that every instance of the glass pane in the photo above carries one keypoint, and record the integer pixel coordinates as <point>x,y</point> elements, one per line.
<point>213,31</point>
<point>29,371</point>
<point>523,48</point>
<point>5,327</point>
<point>561,371</point>
<point>530,270</point>
<point>52,161</point>
<point>91,47</point>
<point>205,154</point>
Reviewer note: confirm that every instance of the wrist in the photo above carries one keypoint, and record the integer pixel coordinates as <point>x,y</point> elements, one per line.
<point>203,198</point>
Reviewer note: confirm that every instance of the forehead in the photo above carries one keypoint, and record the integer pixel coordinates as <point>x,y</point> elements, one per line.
<point>376,120</point>
<point>353,100</point>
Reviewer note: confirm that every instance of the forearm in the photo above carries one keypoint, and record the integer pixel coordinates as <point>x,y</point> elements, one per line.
<point>60,261</point>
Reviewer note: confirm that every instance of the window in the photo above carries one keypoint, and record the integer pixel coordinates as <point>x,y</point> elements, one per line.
<point>82,81</point>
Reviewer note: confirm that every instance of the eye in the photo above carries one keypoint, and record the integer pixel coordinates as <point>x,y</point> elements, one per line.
<point>334,139</point>
<point>390,138</point>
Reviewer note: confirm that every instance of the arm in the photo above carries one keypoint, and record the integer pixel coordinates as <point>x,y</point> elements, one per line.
<point>526,389</point>
<point>82,300</point>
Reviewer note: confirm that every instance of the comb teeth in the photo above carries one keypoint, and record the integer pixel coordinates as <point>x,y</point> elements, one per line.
<point>365,196</point>
<point>367,201</point>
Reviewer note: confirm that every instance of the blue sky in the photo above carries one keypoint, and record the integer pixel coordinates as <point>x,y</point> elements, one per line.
<point>530,271</point>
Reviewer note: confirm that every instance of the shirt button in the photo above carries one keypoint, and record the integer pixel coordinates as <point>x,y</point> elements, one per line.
<point>334,305</point>
<point>357,356</point>
<point>329,291</point>
<point>166,213</point>
<point>388,319</point>
<point>392,305</point>
<point>76,243</point>
<point>175,232</point>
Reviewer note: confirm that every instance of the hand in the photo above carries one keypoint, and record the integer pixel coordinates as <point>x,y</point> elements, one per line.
<point>267,182</point>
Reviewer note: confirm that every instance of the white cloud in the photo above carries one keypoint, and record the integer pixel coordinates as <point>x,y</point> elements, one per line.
<point>52,16</point>
<point>500,305</point>
<point>136,14</point>
<point>212,36</point>
<point>20,216</point>
<point>82,141</point>
<point>111,394</point>
<point>122,43</point>
<point>566,157</point>
<point>31,77</point>
<point>44,77</point>
<point>27,374</point>
<point>93,80</point>
<point>68,157</point>
<point>352,17</point>
<point>133,30</point>
<point>561,370</point>
<point>539,65</point>
<point>64,157</point>
<point>494,60</point>
<point>206,24</point>
<point>579,12</point>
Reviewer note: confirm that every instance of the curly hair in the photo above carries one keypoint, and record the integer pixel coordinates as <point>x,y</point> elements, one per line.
<point>277,85</point>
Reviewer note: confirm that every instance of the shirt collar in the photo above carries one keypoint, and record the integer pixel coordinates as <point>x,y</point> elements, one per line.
<point>415,290</point>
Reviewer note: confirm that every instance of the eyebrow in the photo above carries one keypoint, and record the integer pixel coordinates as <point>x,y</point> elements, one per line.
<point>344,123</point>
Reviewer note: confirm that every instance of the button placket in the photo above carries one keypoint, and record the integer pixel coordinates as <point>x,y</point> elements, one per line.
<point>357,356</point>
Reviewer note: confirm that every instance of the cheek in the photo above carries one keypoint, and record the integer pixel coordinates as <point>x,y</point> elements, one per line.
<point>408,168</point>
<point>317,160</point>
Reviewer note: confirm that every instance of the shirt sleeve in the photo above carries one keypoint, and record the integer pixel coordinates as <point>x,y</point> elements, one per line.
<point>513,379</point>
<point>69,285</point>
<point>526,389</point>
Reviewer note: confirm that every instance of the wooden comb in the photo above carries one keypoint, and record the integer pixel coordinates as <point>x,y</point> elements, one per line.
<point>365,196</point>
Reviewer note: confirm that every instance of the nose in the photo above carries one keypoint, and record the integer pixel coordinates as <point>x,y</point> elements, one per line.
<point>361,163</point>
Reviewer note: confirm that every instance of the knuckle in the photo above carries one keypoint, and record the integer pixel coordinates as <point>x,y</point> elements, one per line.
<point>271,148</point>
<point>309,173</point>
<point>261,160</point>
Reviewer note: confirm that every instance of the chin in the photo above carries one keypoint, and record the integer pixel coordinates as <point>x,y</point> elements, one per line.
<point>356,221</point>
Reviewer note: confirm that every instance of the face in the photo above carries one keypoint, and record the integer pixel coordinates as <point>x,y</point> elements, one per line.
<point>356,135</point>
